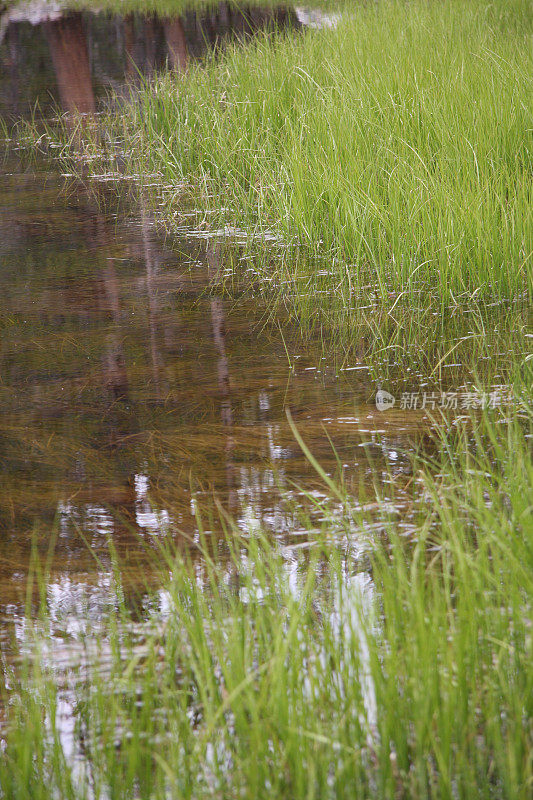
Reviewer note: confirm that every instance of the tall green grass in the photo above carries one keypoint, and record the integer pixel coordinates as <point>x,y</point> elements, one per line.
<point>376,664</point>
<point>399,143</point>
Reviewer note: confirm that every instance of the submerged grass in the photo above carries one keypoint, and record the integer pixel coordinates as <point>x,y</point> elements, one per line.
<point>371,666</point>
<point>380,663</point>
<point>399,143</point>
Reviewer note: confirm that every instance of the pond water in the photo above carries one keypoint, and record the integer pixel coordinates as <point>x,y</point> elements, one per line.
<point>74,59</point>
<point>135,390</point>
<point>133,393</point>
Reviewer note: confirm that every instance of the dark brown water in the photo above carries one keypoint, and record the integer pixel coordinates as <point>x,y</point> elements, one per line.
<point>135,391</point>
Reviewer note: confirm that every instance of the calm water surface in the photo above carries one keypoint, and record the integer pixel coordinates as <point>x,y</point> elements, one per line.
<point>134,390</point>
<point>132,393</point>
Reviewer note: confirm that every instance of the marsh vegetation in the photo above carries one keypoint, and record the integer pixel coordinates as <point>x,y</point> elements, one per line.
<point>227,569</point>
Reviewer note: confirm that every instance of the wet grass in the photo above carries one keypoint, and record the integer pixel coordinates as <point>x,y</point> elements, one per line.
<point>383,651</point>
<point>392,155</point>
<point>398,145</point>
<point>370,664</point>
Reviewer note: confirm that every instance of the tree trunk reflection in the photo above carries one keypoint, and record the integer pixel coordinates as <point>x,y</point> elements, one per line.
<point>68,48</point>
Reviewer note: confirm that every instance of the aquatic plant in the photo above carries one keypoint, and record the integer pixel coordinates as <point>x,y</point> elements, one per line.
<point>391,661</point>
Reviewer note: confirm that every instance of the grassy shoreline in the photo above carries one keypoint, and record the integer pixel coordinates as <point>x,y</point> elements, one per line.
<point>398,144</point>
<point>392,660</point>
<point>371,665</point>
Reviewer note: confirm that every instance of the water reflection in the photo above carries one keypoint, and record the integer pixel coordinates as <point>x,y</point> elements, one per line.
<point>131,395</point>
<point>70,57</point>
<point>178,49</point>
<point>75,56</point>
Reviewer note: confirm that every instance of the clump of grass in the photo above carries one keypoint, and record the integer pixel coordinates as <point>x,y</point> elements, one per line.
<point>398,143</point>
<point>376,666</point>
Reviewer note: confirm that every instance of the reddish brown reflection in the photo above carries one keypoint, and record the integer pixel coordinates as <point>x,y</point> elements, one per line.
<point>129,45</point>
<point>178,51</point>
<point>70,57</point>
<point>85,54</point>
